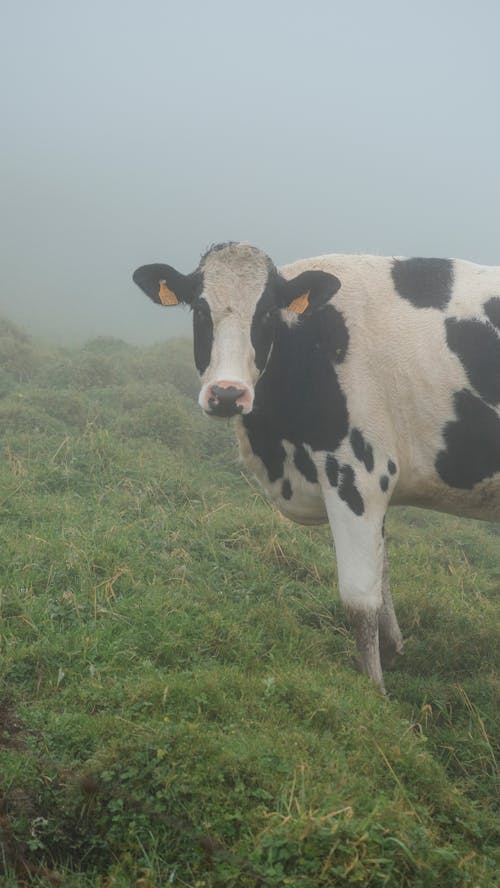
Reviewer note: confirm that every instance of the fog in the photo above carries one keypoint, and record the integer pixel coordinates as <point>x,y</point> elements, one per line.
<point>136,132</point>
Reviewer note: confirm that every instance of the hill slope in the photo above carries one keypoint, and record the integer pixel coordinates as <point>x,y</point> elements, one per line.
<point>177,704</point>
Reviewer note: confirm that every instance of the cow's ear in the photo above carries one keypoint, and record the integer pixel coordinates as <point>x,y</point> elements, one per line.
<point>308,291</point>
<point>166,286</point>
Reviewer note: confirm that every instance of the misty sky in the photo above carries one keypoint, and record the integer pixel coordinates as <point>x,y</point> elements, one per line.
<point>135,132</point>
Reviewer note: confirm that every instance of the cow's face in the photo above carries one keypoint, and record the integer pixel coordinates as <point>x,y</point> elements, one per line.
<point>238,300</point>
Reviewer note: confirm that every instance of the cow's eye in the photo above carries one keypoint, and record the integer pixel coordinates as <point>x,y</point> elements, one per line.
<point>267,317</point>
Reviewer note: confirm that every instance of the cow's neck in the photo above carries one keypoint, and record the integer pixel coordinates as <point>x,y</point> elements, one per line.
<point>298,398</point>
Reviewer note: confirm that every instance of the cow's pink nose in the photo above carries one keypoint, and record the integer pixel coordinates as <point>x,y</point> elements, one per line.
<point>228,399</point>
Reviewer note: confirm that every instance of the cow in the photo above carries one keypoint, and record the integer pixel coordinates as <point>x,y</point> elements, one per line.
<point>356,382</point>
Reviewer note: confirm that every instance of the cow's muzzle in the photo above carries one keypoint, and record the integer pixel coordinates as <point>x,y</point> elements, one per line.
<point>226,399</point>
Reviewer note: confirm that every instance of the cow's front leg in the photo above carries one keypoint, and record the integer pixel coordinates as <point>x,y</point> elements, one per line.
<point>359,544</point>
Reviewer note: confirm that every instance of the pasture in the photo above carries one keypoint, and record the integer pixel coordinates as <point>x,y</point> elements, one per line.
<point>177,701</point>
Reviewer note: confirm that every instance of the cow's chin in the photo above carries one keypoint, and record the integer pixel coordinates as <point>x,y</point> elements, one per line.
<point>223,412</point>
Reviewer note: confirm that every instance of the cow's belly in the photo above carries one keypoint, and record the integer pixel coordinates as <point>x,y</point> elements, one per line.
<point>295,492</point>
<point>482,501</point>
<point>305,505</point>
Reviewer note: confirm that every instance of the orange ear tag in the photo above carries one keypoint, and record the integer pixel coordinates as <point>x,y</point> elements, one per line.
<point>299,304</point>
<point>166,296</point>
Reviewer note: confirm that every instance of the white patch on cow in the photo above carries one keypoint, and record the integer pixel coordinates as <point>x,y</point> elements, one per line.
<point>306,505</point>
<point>472,285</point>
<point>358,539</point>
<point>359,548</point>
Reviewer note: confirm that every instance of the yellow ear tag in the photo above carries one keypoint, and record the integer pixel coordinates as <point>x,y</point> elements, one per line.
<point>166,296</point>
<point>299,304</point>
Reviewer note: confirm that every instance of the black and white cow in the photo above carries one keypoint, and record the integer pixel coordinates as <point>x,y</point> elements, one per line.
<point>357,382</point>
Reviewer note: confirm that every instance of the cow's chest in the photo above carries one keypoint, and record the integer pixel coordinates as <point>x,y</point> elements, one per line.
<point>287,472</point>
<point>299,415</point>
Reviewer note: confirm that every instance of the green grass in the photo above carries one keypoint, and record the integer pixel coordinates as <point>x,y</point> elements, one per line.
<point>177,703</point>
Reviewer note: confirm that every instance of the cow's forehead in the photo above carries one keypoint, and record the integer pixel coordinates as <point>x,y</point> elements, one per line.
<point>235,276</point>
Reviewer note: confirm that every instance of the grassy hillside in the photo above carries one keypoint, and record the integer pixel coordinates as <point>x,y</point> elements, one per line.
<point>177,704</point>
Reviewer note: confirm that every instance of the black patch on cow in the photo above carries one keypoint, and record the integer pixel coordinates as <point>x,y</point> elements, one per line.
<point>383,528</point>
<point>492,310</point>
<point>298,397</point>
<point>472,443</point>
<point>478,347</point>
<point>384,483</point>
<point>320,286</point>
<point>362,450</point>
<point>203,332</point>
<point>333,338</point>
<point>286,489</point>
<point>332,470</point>
<point>264,323</point>
<point>426,283</point>
<point>186,287</point>
<point>391,467</point>
<point>305,465</point>
<point>266,446</point>
<point>349,492</point>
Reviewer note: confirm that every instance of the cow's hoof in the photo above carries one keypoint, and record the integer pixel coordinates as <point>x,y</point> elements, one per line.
<point>358,667</point>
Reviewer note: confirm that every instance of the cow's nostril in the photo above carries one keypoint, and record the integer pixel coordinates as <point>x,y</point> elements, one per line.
<point>226,393</point>
<point>222,400</point>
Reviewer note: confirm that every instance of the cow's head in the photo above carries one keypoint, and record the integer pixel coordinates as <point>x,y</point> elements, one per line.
<point>238,299</point>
